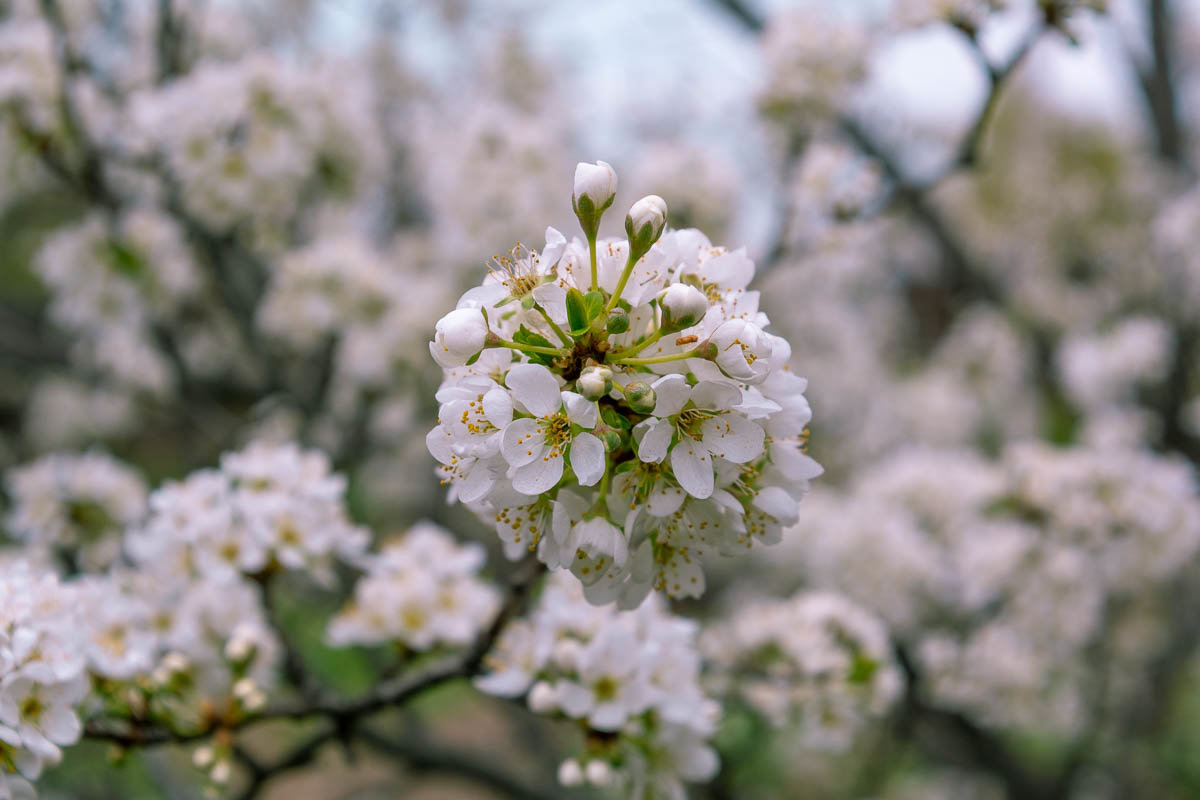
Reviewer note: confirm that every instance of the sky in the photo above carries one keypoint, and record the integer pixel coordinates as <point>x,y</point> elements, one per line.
<point>687,67</point>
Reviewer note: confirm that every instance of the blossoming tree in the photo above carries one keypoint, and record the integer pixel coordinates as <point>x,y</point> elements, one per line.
<point>275,501</point>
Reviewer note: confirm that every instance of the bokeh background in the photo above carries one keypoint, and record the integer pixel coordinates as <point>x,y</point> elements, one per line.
<point>975,222</point>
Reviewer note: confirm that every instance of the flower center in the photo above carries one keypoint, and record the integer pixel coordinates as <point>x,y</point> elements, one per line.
<point>557,430</point>
<point>517,271</point>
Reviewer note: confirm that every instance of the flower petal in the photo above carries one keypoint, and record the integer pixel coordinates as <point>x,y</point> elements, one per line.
<point>733,437</point>
<point>588,459</point>
<point>580,410</point>
<point>539,475</point>
<point>522,442</point>
<point>535,388</point>
<point>716,396</point>
<point>498,407</point>
<point>671,392</point>
<point>693,469</point>
<point>655,441</point>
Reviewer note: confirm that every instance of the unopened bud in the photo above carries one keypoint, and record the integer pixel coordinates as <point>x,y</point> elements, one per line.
<point>682,306</point>
<point>175,662</point>
<point>640,397</point>
<point>241,648</point>
<point>542,698</point>
<point>595,382</point>
<point>617,322</point>
<point>645,223</point>
<point>570,774</point>
<point>595,188</point>
<point>221,772</point>
<point>599,773</point>
<point>203,757</point>
<point>459,335</point>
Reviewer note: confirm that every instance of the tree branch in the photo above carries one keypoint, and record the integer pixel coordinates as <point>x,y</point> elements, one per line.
<point>424,755</point>
<point>388,694</point>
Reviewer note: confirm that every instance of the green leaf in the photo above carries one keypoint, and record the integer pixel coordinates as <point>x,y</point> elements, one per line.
<point>862,669</point>
<point>526,336</point>
<point>577,315</point>
<point>614,418</point>
<point>594,302</point>
<point>124,259</point>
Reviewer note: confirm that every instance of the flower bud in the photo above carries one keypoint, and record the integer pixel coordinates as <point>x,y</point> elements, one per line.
<point>640,397</point>
<point>595,188</point>
<point>241,648</point>
<point>221,772</point>
<point>617,322</point>
<point>542,698</point>
<point>599,773</point>
<point>570,774</point>
<point>203,757</point>
<point>682,306</point>
<point>460,335</point>
<point>644,224</point>
<point>594,382</point>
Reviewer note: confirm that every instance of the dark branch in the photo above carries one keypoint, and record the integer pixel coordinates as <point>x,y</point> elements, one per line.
<point>743,14</point>
<point>387,695</point>
<point>423,755</point>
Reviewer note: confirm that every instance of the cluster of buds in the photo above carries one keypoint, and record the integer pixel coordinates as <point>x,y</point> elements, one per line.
<point>617,405</point>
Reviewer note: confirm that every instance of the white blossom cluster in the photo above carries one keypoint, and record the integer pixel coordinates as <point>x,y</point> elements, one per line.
<point>617,405</point>
<point>249,141</point>
<point>42,678</point>
<point>112,281</point>
<point>75,507</point>
<point>816,663</point>
<point>633,677</point>
<point>341,288</point>
<point>270,505</point>
<point>1000,575</point>
<point>152,630</point>
<point>816,56</point>
<point>30,82</point>
<point>420,590</point>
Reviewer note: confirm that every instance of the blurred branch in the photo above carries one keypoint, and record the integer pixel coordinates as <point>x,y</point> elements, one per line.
<point>260,774</point>
<point>424,755</point>
<point>345,715</point>
<point>1157,83</point>
<point>998,77</point>
<point>954,737</point>
<point>743,14</point>
<point>168,42</point>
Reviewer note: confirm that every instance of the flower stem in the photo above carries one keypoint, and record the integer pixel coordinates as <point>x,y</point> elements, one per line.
<point>592,257</point>
<point>634,362</point>
<point>625,273</point>
<point>554,327</point>
<point>532,348</point>
<point>637,348</point>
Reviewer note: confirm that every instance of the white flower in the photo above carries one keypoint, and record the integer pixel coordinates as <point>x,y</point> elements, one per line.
<point>597,182</point>
<point>610,687</point>
<point>693,424</point>
<point>535,446</point>
<point>597,544</point>
<point>744,351</point>
<point>420,590</point>
<point>42,714</point>
<point>460,335</point>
